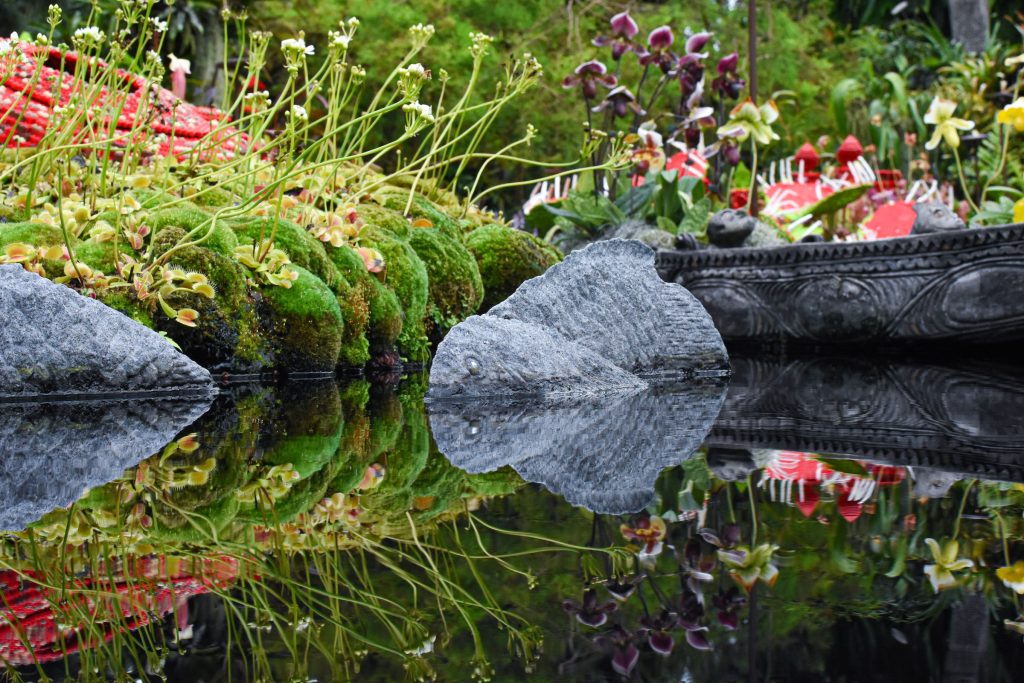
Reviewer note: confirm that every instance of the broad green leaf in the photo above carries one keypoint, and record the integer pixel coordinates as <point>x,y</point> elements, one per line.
<point>833,203</point>
<point>695,221</point>
<point>844,466</point>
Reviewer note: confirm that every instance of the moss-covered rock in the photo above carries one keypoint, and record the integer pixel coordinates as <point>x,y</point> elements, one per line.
<point>38,235</point>
<point>302,248</point>
<point>406,275</point>
<point>384,217</point>
<point>386,317</point>
<point>455,288</point>
<point>217,235</point>
<point>97,255</point>
<point>306,324</point>
<point>507,258</point>
<point>227,333</point>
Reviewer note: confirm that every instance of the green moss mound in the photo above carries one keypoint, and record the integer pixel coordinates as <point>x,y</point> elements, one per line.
<point>406,275</point>
<point>307,325</point>
<point>96,255</point>
<point>507,258</point>
<point>302,248</point>
<point>455,287</point>
<point>383,217</point>
<point>217,236</point>
<point>228,330</point>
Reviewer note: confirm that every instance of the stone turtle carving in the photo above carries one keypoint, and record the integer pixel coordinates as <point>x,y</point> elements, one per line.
<point>55,342</point>
<point>599,321</point>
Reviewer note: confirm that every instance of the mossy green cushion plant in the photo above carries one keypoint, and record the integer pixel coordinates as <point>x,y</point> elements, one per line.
<point>507,258</point>
<point>455,288</point>
<point>307,324</point>
<point>302,248</point>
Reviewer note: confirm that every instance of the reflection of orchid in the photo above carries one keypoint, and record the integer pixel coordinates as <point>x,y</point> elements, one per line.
<point>626,653</point>
<point>648,530</point>
<point>747,566</point>
<point>1013,576</point>
<point>657,629</point>
<point>946,563</point>
<point>590,612</point>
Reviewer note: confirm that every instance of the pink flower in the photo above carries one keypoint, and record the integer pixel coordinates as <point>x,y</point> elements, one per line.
<point>659,42</point>
<point>623,25</point>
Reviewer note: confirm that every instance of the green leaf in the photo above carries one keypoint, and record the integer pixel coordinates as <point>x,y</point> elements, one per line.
<point>843,94</point>
<point>695,221</point>
<point>667,224</point>
<point>899,92</point>
<point>833,203</point>
<point>844,466</point>
<point>635,201</point>
<point>899,560</point>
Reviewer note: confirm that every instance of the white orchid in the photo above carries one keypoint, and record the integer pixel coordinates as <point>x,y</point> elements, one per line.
<point>946,563</point>
<point>940,114</point>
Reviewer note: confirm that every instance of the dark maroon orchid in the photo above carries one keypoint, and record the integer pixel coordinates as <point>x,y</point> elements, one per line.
<point>622,588</point>
<point>626,654</point>
<point>659,52</point>
<point>657,629</point>
<point>696,43</point>
<point>728,603</point>
<point>621,101</point>
<point>728,84</point>
<point>590,612</point>
<point>621,39</point>
<point>588,75</point>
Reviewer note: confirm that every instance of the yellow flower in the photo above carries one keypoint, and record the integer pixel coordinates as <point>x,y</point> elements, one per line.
<point>1013,114</point>
<point>946,562</point>
<point>1018,211</point>
<point>940,115</point>
<point>1013,576</point>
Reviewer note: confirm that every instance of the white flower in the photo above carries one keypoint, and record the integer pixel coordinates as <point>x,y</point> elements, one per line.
<point>90,35</point>
<point>160,25</point>
<point>423,111</point>
<point>940,114</point>
<point>352,22</point>
<point>5,47</point>
<point>176,64</point>
<point>299,113</point>
<point>297,46</point>
<point>340,40</point>
<point>416,70</point>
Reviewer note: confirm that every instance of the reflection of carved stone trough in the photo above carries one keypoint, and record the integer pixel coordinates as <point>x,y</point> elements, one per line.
<point>966,419</point>
<point>959,286</point>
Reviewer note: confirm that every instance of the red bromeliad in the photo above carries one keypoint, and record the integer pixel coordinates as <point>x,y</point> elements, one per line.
<point>29,102</point>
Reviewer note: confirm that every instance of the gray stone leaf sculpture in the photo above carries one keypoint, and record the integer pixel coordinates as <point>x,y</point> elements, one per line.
<point>55,342</point>
<point>602,453</point>
<point>600,321</point>
<point>54,452</point>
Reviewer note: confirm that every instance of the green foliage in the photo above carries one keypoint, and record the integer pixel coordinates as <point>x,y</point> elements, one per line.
<point>308,324</point>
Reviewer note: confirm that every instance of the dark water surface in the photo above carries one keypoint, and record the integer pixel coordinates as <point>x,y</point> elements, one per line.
<point>810,520</point>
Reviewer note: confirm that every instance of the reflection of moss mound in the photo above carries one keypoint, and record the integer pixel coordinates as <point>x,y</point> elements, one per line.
<point>507,258</point>
<point>455,286</point>
<point>307,324</point>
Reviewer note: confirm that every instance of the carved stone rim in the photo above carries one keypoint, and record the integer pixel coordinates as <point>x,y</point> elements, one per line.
<point>914,245</point>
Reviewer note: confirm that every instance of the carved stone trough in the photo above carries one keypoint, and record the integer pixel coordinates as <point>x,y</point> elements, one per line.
<point>963,286</point>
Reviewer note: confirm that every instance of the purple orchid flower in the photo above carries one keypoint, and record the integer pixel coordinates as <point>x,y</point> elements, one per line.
<point>728,83</point>
<point>621,40</point>
<point>621,101</point>
<point>626,654</point>
<point>590,612</point>
<point>588,75</point>
<point>659,53</point>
